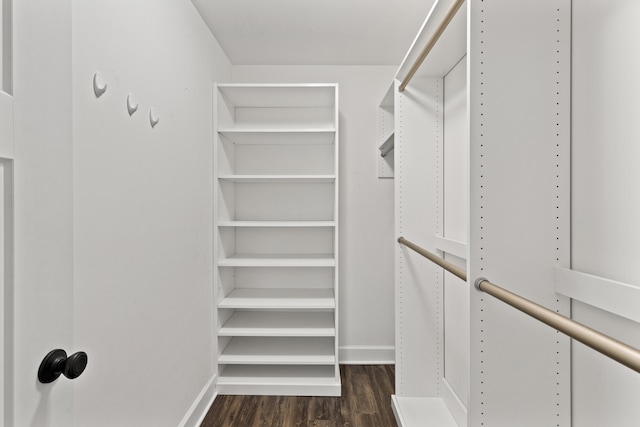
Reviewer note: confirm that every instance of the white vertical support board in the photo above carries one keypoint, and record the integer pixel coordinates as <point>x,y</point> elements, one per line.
<point>5,306</point>
<point>6,125</point>
<point>419,329</point>
<point>7,322</point>
<point>519,195</point>
<point>336,233</point>
<point>605,202</point>
<point>2,43</point>
<point>455,213</point>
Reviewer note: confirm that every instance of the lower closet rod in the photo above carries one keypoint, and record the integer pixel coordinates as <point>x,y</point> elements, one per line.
<point>610,347</point>
<point>604,344</point>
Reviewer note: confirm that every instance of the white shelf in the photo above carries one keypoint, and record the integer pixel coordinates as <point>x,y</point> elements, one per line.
<point>279,260</point>
<point>622,299</point>
<point>452,247</point>
<point>421,411</point>
<point>280,299</point>
<point>279,351</point>
<point>258,179</point>
<point>279,96</point>
<point>282,224</point>
<point>279,324</point>
<point>269,374</point>
<point>279,380</point>
<point>279,136</point>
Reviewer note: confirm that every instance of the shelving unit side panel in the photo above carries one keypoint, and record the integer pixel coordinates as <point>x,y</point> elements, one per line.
<point>336,218</point>
<point>226,155</point>
<point>218,282</point>
<point>225,113</point>
<point>520,99</point>
<point>225,192</point>
<point>419,334</point>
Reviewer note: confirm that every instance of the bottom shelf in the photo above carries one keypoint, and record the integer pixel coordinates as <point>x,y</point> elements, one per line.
<point>421,411</point>
<point>279,380</point>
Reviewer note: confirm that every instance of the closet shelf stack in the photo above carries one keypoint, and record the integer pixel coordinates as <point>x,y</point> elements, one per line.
<point>276,239</point>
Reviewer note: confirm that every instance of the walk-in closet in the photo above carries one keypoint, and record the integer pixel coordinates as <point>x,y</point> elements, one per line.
<point>418,213</point>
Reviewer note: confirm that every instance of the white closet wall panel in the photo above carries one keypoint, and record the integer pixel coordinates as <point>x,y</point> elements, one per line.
<point>419,328</point>
<point>455,212</point>
<point>605,200</point>
<point>519,88</point>
<point>455,154</point>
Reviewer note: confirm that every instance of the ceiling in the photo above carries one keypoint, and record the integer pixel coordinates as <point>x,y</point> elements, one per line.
<point>314,32</point>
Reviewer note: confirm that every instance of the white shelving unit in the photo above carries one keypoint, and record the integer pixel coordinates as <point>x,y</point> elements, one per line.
<point>276,242</point>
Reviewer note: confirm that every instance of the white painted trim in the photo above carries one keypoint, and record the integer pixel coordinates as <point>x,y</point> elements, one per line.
<point>454,404</point>
<point>367,355</point>
<point>195,415</point>
<point>452,247</point>
<point>615,297</point>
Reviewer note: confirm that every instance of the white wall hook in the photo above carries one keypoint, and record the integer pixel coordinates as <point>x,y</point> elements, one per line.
<point>153,118</point>
<point>99,85</point>
<point>132,105</point>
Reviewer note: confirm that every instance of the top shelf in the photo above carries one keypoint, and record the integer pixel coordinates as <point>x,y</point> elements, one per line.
<point>279,96</point>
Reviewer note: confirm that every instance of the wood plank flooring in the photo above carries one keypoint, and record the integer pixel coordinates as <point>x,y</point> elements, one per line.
<point>365,402</point>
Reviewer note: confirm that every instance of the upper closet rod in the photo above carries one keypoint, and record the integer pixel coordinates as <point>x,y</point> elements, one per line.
<point>610,347</point>
<point>451,268</point>
<point>453,9</point>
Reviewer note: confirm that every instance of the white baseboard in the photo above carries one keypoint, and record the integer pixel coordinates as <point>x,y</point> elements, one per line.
<point>367,355</point>
<point>201,405</point>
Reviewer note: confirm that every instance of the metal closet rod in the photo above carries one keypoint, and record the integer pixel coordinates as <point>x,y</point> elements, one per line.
<point>453,9</point>
<point>610,347</point>
<point>451,268</point>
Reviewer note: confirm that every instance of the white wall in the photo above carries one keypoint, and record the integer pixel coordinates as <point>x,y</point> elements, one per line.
<point>605,197</point>
<point>366,205</point>
<point>143,210</point>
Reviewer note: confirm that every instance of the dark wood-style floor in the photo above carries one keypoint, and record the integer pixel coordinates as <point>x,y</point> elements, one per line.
<point>365,402</point>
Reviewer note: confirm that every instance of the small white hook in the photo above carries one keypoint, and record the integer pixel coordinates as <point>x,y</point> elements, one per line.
<point>153,118</point>
<point>132,105</point>
<point>99,85</point>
